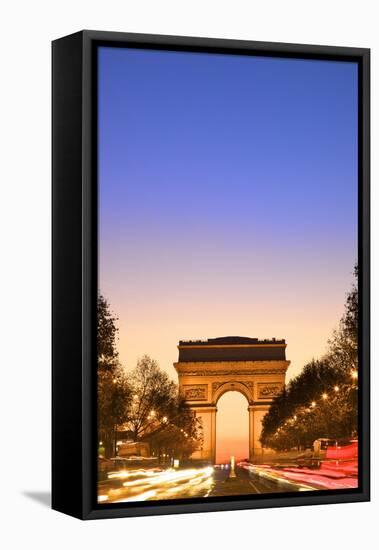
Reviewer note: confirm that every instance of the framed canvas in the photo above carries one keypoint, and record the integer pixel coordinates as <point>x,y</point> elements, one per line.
<point>210,275</point>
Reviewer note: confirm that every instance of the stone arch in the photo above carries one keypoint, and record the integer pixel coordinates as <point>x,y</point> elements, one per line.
<point>218,390</point>
<point>223,389</point>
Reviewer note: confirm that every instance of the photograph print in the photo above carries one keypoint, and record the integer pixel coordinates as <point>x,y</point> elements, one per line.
<point>227,307</point>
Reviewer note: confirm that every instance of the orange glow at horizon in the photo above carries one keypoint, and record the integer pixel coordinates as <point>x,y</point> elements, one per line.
<point>153,322</point>
<point>304,310</point>
<point>232,428</point>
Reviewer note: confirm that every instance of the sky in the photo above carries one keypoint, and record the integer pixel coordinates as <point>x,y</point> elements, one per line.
<point>227,199</point>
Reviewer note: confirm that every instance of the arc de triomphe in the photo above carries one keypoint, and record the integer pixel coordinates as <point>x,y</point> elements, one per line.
<point>209,368</point>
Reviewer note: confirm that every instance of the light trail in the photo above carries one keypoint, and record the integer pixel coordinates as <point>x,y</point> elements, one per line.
<point>141,496</point>
<point>305,479</point>
<point>123,474</point>
<point>156,484</point>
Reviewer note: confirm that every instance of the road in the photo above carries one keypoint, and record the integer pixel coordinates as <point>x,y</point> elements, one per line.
<point>162,484</point>
<point>245,483</point>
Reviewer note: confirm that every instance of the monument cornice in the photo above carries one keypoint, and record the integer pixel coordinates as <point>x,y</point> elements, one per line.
<point>231,368</point>
<point>232,373</point>
<point>212,346</point>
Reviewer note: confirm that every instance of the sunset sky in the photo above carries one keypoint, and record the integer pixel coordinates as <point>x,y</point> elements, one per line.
<point>227,201</point>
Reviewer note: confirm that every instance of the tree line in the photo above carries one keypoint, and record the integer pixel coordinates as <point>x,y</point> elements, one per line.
<point>144,404</point>
<point>322,401</point>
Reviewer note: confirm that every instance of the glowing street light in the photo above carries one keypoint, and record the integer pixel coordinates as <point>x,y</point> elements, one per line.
<point>325,396</point>
<point>232,464</point>
<point>336,389</point>
<point>313,404</point>
<point>354,374</point>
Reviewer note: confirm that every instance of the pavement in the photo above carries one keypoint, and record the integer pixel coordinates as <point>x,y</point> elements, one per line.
<point>162,484</point>
<point>245,483</point>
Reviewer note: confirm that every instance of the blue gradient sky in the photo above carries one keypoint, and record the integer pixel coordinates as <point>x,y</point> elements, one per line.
<point>227,198</point>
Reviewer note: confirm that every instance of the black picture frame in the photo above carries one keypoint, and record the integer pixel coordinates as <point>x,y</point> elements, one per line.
<point>74,271</point>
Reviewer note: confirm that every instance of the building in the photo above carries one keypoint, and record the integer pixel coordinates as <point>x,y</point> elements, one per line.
<point>209,368</point>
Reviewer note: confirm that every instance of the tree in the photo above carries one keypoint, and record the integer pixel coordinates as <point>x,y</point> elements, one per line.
<point>322,400</point>
<point>154,397</point>
<point>343,346</point>
<point>159,415</point>
<point>107,354</point>
<point>179,436</point>
<point>315,380</point>
<point>113,402</point>
<point>333,416</point>
<point>113,391</point>
<point>147,403</point>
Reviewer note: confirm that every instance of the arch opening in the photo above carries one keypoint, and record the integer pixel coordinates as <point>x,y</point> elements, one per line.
<point>232,426</point>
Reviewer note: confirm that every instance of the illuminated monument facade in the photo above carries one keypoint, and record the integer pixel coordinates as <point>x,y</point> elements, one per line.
<point>208,369</point>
